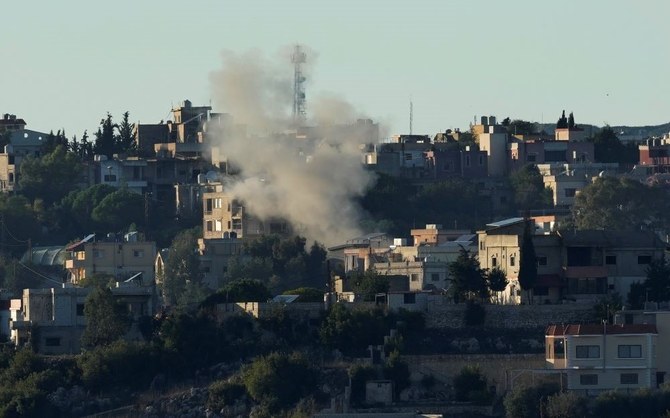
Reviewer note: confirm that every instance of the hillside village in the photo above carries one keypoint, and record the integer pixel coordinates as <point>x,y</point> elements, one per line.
<point>171,269</point>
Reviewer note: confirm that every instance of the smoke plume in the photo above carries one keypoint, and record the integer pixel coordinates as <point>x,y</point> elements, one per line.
<point>309,175</point>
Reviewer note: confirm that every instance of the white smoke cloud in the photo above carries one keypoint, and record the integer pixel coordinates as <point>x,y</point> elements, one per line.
<point>311,182</point>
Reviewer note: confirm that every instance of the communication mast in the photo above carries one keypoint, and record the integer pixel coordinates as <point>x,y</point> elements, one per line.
<point>298,58</point>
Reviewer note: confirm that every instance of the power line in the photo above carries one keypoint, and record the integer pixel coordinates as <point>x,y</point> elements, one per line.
<point>4,227</point>
<point>38,273</point>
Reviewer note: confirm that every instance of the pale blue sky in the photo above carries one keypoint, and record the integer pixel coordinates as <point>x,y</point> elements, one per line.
<point>66,63</point>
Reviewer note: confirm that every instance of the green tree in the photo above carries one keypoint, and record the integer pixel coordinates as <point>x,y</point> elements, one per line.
<point>470,385</point>
<point>105,140</point>
<point>51,176</point>
<point>468,279</point>
<point>397,370</point>
<point>529,190</point>
<point>107,319</point>
<point>606,307</point>
<point>73,212</point>
<point>497,281</point>
<point>528,261</point>
<point>307,294</point>
<point>521,127</point>
<point>621,204</point>
<point>125,141</point>
<point>369,284</point>
<point>280,380</point>
<point>526,402</point>
<point>608,148</point>
<point>567,405</point>
<point>118,210</point>
<point>657,283</point>
<point>241,290</point>
<point>182,266</point>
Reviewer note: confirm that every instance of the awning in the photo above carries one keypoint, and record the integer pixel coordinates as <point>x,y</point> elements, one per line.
<point>72,247</point>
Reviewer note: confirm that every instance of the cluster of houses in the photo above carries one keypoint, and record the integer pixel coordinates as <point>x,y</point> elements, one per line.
<point>178,162</point>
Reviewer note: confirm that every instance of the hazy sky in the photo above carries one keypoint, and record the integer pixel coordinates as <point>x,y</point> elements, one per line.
<point>66,63</point>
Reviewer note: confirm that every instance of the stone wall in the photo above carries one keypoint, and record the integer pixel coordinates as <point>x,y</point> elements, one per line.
<point>509,316</point>
<point>500,369</point>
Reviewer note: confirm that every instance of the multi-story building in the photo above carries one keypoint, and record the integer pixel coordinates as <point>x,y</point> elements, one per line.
<point>22,143</point>
<point>595,358</point>
<point>567,180</point>
<point>123,257</point>
<point>426,266</point>
<point>53,319</point>
<point>579,265</point>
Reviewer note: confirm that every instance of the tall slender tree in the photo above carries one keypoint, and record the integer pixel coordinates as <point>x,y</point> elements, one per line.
<point>528,262</point>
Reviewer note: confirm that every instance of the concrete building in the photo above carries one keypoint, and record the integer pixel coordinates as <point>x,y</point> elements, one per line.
<point>567,180</point>
<point>23,143</point>
<point>493,139</point>
<point>53,319</point>
<point>575,265</point>
<point>595,358</point>
<point>122,257</point>
<point>360,253</point>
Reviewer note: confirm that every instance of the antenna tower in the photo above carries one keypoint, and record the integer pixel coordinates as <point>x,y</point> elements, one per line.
<point>411,115</point>
<point>298,58</point>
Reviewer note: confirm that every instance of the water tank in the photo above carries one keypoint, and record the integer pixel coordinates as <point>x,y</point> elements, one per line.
<point>485,120</point>
<point>399,242</point>
<point>492,120</point>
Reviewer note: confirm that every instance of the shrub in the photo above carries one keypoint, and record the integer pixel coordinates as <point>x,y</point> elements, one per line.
<point>524,402</point>
<point>475,314</point>
<point>470,385</point>
<point>222,394</point>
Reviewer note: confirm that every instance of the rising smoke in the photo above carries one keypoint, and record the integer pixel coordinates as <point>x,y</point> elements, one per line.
<point>311,178</point>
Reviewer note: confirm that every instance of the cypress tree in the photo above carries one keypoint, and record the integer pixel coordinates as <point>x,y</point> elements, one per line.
<point>528,262</point>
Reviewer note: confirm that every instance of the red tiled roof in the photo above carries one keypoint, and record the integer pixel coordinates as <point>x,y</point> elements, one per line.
<point>597,329</point>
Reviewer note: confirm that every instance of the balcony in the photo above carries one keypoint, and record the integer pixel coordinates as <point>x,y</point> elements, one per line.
<point>585,272</point>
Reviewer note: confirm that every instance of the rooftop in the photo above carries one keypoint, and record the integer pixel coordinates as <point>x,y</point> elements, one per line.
<point>597,329</point>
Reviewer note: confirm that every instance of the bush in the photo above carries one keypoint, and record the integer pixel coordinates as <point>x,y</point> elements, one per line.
<point>222,394</point>
<point>470,385</point>
<point>566,405</point>
<point>358,375</point>
<point>524,402</point>
<point>475,314</point>
<point>280,380</point>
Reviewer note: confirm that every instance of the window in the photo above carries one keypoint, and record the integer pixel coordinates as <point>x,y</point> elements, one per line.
<point>11,177</point>
<point>414,277</point>
<point>494,261</point>
<point>559,348</point>
<point>512,261</point>
<point>52,341</point>
<point>208,206</point>
<point>467,161</point>
<point>610,260</point>
<point>588,379</point>
<point>531,158</point>
<point>138,253</point>
<point>570,192</point>
<point>408,157</point>
<point>628,378</point>
<point>643,259</point>
<point>110,177</point>
<point>98,254</point>
<point>542,261</point>
<point>481,160</point>
<point>237,224</point>
<point>209,226</point>
<point>481,245</point>
<point>630,351</point>
<point>435,277</point>
<point>218,225</point>
<point>217,203</point>
<point>80,309</point>
<point>409,298</point>
<point>588,351</point>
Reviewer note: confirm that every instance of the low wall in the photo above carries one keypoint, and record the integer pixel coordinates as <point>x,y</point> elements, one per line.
<point>496,367</point>
<point>509,316</point>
